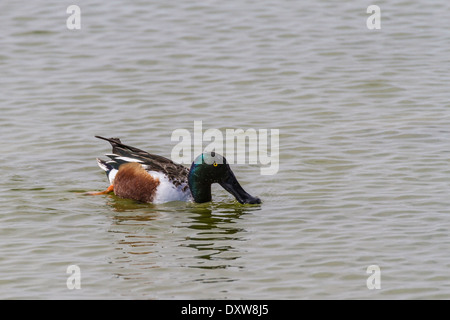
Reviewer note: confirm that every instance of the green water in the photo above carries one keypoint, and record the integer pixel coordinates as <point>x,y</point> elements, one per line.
<point>363,117</point>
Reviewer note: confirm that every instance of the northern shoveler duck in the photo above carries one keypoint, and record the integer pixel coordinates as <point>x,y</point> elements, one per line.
<point>139,175</point>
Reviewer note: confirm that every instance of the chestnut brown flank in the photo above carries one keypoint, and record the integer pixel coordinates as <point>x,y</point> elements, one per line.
<point>133,182</point>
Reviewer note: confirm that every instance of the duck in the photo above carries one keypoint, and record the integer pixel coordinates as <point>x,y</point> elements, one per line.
<point>138,175</point>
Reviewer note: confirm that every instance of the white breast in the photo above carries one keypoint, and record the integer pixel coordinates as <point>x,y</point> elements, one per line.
<point>166,191</point>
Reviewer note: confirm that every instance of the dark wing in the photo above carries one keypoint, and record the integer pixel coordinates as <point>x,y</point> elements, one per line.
<point>153,162</point>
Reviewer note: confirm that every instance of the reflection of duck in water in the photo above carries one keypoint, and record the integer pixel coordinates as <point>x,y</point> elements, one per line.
<point>217,234</point>
<point>145,177</point>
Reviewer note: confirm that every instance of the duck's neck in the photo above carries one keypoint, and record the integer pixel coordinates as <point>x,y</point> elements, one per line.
<point>201,191</point>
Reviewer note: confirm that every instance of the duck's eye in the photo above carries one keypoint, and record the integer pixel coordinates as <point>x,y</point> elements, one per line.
<point>215,164</point>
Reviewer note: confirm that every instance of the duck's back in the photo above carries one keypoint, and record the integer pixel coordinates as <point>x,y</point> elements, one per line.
<point>139,175</point>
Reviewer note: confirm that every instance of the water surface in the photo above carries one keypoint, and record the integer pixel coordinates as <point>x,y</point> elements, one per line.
<point>364,138</point>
